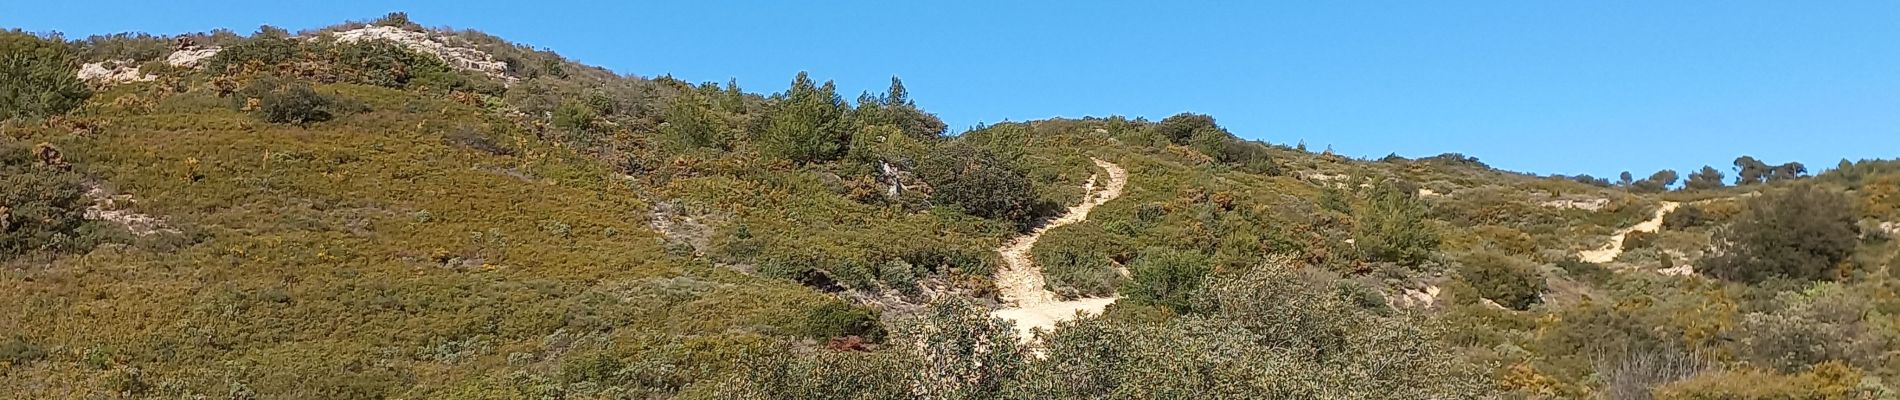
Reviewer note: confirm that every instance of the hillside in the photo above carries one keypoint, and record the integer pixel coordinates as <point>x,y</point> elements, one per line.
<point>382,210</point>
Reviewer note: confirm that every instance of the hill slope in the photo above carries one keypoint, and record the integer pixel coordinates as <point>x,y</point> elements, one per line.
<point>377,210</point>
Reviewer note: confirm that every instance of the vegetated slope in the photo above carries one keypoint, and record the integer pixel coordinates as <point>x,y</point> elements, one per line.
<point>353,257</point>
<point>365,219</point>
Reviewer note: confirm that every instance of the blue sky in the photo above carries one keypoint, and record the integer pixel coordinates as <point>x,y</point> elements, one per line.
<point>1542,86</point>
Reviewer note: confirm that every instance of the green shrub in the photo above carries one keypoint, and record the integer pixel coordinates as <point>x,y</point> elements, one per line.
<point>1392,227</point>
<point>38,76</point>
<point>895,109</point>
<point>1685,217</point>
<point>294,104</point>
<point>837,318</point>
<point>397,19</point>
<point>389,64</point>
<point>473,138</point>
<point>42,208</point>
<point>125,46</point>
<point>1184,127</point>
<point>1824,382</point>
<point>1636,240</point>
<point>692,123</point>
<point>790,373</point>
<point>1249,156</point>
<point>1588,272</point>
<point>1507,280</point>
<point>1166,277</point>
<point>1269,333</point>
<point>578,121</point>
<point>18,351</point>
<point>254,55</point>
<point>1079,260</point>
<point>1801,233</point>
<point>973,178</point>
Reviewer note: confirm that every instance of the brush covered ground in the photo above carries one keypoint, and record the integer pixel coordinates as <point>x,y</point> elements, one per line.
<point>304,217</point>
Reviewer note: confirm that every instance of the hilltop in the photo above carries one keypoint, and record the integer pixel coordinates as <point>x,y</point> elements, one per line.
<point>382,210</point>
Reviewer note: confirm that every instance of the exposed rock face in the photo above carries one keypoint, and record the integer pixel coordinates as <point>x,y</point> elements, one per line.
<point>897,180</point>
<point>1679,270</point>
<point>116,71</point>
<point>1417,298</point>
<point>106,207</point>
<point>458,57</point>
<point>1579,204</point>
<point>191,57</point>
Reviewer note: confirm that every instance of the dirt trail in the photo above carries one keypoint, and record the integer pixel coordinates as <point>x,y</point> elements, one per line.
<point>1615,246</point>
<point>1021,283</point>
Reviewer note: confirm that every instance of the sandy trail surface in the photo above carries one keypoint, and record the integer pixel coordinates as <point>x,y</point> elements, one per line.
<point>1021,282</point>
<point>1615,246</point>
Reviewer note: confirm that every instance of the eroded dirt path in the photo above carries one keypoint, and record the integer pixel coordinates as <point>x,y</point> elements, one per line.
<point>1021,283</point>
<point>1615,246</point>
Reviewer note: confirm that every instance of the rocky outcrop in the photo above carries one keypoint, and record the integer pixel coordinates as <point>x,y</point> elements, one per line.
<point>112,72</point>
<point>109,208</point>
<point>1417,298</point>
<point>191,57</point>
<point>1577,204</point>
<point>897,180</point>
<point>458,57</point>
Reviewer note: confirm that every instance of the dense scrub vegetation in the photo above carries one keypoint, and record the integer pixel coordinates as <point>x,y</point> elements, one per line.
<point>41,204</point>
<point>304,218</point>
<point>1802,233</point>
<point>38,76</point>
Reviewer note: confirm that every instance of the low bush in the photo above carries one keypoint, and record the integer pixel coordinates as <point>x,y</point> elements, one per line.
<point>473,138</point>
<point>1165,277</point>
<point>296,105</point>
<point>1800,233</point>
<point>1824,381</point>
<point>1637,240</point>
<point>971,177</point>
<point>1507,280</point>
<point>1392,227</point>
<point>1079,260</point>
<point>1685,217</point>
<point>278,101</point>
<point>1584,271</point>
<point>835,319</point>
<point>42,207</point>
<point>16,351</point>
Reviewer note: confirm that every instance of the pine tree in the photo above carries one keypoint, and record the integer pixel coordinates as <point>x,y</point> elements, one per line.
<point>1659,181</point>
<point>732,99</point>
<point>897,94</point>
<point>1706,178</point>
<point>1392,226</point>
<point>1749,171</point>
<point>808,124</point>
<point>1789,171</point>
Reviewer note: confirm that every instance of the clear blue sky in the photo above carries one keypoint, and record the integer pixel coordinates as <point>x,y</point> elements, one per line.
<point>1542,86</point>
